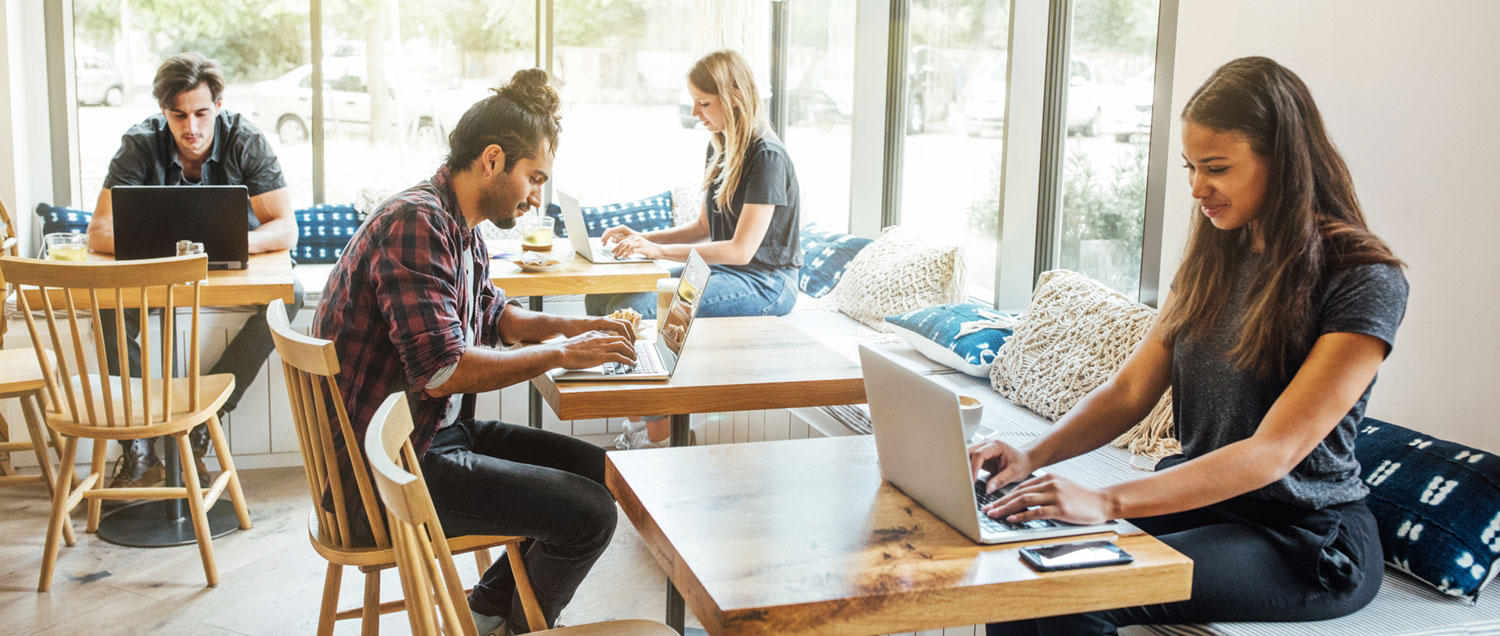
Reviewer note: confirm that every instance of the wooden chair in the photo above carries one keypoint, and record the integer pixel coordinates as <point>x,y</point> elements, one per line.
<point>21,378</point>
<point>311,367</point>
<point>93,404</point>
<point>435,600</point>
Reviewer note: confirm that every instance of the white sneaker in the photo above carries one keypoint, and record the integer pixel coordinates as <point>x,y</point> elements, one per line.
<point>635,440</point>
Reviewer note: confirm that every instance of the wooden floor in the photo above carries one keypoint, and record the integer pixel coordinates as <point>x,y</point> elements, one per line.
<point>270,580</point>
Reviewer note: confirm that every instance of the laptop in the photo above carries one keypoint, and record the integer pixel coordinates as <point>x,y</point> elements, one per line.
<point>578,233</point>
<point>150,220</point>
<point>919,439</point>
<point>656,359</point>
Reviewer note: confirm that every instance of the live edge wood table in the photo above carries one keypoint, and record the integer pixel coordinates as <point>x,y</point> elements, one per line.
<point>803,537</point>
<point>166,523</point>
<point>728,364</point>
<point>576,276</point>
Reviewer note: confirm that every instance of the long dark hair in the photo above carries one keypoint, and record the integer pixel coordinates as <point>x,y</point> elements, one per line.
<point>1310,220</point>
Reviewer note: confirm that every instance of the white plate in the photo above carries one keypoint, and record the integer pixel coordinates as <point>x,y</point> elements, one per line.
<point>537,267</point>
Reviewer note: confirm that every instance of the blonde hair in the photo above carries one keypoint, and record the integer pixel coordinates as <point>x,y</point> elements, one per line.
<point>726,74</point>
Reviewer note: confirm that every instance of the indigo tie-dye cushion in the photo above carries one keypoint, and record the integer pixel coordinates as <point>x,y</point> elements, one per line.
<point>56,218</point>
<point>1437,504</point>
<point>642,215</point>
<point>825,256</point>
<point>323,231</point>
<point>939,333</point>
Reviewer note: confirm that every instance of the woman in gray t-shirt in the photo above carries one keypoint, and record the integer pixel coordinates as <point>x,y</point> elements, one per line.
<point>1280,314</point>
<point>748,227</point>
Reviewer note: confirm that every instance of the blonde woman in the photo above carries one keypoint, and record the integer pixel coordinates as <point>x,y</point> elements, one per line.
<point>748,227</point>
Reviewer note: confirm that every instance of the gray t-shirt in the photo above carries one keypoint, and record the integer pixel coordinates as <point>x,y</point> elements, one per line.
<point>768,177</point>
<point>1215,403</point>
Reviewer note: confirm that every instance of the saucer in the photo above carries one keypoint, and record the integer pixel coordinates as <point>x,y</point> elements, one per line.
<point>538,266</point>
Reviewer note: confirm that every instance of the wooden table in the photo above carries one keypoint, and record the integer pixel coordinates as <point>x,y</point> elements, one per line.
<point>163,523</point>
<point>803,537</point>
<point>577,276</point>
<point>728,364</point>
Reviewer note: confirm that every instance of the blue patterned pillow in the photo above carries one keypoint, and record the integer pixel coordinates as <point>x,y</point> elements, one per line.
<point>825,256</point>
<point>935,332</point>
<point>1437,504</point>
<point>56,218</point>
<point>325,230</point>
<point>643,215</point>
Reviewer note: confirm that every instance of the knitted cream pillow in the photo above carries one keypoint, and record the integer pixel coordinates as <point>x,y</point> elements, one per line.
<point>1075,334</point>
<point>898,273</point>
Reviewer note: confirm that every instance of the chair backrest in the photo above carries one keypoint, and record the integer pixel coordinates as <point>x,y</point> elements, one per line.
<point>435,602</point>
<point>82,288</point>
<point>311,368</point>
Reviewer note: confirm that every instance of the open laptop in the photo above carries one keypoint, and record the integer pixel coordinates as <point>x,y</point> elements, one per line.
<point>919,438</point>
<point>656,359</point>
<point>149,220</point>
<point>578,233</point>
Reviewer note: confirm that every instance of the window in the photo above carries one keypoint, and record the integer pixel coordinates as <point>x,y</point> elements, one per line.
<point>1109,124</point>
<point>118,53</point>
<point>820,107</point>
<point>954,88</point>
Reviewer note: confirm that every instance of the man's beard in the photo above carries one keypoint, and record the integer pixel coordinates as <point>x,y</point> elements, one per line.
<point>493,199</point>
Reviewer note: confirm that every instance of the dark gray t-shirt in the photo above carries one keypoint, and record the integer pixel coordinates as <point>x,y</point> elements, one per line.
<point>1215,404</point>
<point>240,156</point>
<point>768,177</point>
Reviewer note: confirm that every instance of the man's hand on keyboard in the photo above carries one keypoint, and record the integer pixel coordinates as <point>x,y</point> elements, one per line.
<point>1051,497</point>
<point>594,348</point>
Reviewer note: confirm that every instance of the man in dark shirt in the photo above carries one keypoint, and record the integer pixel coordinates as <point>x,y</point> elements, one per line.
<point>194,142</point>
<point>410,307</point>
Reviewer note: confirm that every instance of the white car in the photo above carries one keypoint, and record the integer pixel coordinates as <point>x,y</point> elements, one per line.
<point>425,110</point>
<point>99,81</point>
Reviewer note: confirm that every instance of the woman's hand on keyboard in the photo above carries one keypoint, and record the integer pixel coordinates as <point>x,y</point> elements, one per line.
<point>594,348</point>
<point>1003,462</point>
<point>1051,497</point>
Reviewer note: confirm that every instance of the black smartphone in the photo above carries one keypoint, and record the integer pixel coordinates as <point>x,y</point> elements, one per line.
<point>1071,556</point>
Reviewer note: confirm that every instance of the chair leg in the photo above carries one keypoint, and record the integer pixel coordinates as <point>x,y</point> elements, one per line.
<point>96,505</point>
<point>226,464</point>
<point>331,584</point>
<point>5,468</point>
<point>38,443</point>
<point>58,518</point>
<point>483,560</point>
<point>370,619</point>
<point>535,619</point>
<point>195,506</point>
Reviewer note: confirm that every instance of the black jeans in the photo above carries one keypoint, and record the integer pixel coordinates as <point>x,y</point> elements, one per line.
<point>1253,560</point>
<point>489,477</point>
<point>244,357</point>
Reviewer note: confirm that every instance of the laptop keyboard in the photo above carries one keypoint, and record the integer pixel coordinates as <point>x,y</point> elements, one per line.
<point>646,362</point>
<point>1001,525</point>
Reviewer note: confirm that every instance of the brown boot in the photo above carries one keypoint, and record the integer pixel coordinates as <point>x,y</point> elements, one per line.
<point>138,466</point>
<point>198,439</point>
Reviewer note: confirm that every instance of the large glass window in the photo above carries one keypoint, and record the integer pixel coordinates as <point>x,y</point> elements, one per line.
<point>398,75</point>
<point>820,87</point>
<point>955,91</point>
<point>1110,81</point>
<point>119,45</point>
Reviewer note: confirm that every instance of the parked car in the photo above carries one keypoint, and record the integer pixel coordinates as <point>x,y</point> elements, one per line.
<point>1129,117</point>
<point>99,81</point>
<point>427,107</point>
<point>984,100</point>
<point>1086,98</point>
<point>931,88</point>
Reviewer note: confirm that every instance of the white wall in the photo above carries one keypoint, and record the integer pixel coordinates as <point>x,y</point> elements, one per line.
<point>24,150</point>
<point>1410,93</point>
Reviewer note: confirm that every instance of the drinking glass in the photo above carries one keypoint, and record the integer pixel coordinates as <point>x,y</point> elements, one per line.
<point>536,232</point>
<point>66,246</point>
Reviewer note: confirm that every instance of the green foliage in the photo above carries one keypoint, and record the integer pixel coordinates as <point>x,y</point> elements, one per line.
<point>1114,26</point>
<point>1108,210</point>
<point>984,212</point>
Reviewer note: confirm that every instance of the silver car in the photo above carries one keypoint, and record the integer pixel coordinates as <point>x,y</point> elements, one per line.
<point>99,81</point>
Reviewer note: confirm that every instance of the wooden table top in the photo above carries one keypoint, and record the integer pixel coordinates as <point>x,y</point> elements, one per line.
<point>804,537</point>
<point>267,277</point>
<point>577,276</point>
<point>729,364</point>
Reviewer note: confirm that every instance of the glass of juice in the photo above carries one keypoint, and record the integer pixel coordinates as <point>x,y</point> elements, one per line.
<point>536,232</point>
<point>66,246</point>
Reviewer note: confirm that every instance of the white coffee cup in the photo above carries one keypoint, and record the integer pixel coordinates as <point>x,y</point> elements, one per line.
<point>971,412</point>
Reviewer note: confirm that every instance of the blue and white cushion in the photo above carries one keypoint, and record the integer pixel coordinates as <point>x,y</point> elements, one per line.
<point>324,232</point>
<point>1437,504</point>
<point>642,215</point>
<point>961,336</point>
<point>56,218</point>
<point>825,256</point>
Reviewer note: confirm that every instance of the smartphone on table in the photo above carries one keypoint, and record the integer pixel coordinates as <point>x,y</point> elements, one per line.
<point>1071,556</point>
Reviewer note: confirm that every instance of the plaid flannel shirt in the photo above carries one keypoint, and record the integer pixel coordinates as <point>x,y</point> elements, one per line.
<point>395,306</point>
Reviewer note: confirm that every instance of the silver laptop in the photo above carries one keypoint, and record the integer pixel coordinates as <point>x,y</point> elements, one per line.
<point>656,359</point>
<point>919,438</point>
<point>578,233</point>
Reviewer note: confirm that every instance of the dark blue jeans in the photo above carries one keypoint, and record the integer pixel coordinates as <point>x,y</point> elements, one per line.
<point>731,291</point>
<point>489,477</point>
